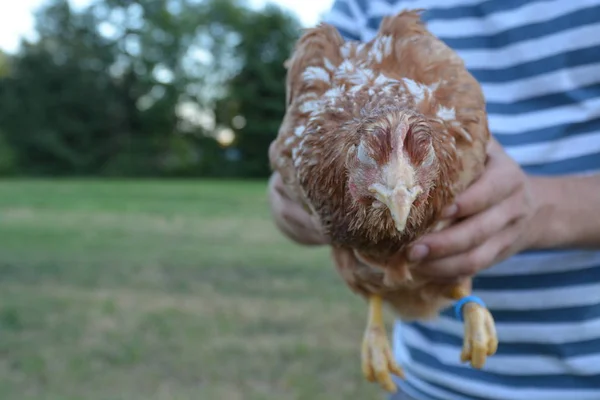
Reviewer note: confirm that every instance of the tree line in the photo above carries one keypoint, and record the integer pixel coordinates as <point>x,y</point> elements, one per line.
<point>145,88</point>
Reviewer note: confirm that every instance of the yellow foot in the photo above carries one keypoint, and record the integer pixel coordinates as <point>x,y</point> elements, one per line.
<point>480,338</point>
<point>377,360</point>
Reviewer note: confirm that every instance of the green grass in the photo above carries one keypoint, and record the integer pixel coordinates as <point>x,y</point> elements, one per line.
<point>148,290</point>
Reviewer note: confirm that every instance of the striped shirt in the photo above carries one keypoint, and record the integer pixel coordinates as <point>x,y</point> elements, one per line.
<point>539,66</point>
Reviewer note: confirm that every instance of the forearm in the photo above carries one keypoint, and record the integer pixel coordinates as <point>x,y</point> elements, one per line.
<point>569,212</point>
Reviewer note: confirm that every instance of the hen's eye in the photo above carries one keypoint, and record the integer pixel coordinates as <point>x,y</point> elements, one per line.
<point>377,204</point>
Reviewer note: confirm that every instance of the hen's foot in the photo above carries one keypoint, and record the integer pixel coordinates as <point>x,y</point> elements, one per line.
<point>480,340</point>
<point>377,360</point>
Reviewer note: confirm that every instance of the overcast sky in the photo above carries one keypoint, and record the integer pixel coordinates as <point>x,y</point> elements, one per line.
<point>16,20</point>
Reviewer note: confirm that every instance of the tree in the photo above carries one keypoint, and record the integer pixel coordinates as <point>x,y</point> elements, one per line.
<point>51,103</point>
<point>257,92</point>
<point>4,65</point>
<point>104,91</point>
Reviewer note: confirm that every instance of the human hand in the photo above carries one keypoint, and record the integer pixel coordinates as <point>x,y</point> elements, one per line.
<point>291,219</point>
<point>494,222</point>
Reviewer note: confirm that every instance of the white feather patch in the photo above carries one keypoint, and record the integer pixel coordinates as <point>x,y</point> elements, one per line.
<point>447,114</point>
<point>299,130</point>
<point>360,48</point>
<point>417,90</point>
<point>383,80</point>
<point>310,106</point>
<point>306,96</point>
<point>387,45</point>
<point>362,76</point>
<point>434,86</point>
<point>345,49</point>
<point>316,74</point>
<point>329,65</point>
<point>334,92</point>
<point>355,89</point>
<point>376,54</point>
<point>346,67</point>
<point>382,47</point>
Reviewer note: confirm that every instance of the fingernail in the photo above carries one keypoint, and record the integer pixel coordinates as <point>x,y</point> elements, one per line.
<point>418,252</point>
<point>450,211</point>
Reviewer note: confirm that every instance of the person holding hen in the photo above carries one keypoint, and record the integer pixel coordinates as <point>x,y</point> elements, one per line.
<point>527,230</point>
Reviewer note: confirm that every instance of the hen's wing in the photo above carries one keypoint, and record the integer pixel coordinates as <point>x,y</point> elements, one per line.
<point>310,73</point>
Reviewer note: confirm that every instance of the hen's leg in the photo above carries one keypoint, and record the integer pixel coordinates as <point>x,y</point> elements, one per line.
<point>377,359</point>
<point>480,338</point>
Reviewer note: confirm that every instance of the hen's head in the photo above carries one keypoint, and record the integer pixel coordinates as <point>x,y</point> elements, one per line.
<point>394,165</point>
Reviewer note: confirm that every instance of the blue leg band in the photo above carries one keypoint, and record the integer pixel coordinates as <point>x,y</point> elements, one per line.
<point>468,299</point>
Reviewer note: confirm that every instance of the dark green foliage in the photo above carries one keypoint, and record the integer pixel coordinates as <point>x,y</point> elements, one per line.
<point>258,91</point>
<point>104,91</point>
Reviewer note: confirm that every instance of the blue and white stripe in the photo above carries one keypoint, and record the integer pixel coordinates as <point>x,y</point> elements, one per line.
<point>539,65</point>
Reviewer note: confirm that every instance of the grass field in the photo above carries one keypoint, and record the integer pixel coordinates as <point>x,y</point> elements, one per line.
<point>167,290</point>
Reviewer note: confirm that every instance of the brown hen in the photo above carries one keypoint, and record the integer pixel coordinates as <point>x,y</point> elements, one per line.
<point>377,140</point>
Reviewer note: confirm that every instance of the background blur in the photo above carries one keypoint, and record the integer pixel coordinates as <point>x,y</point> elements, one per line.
<point>138,259</point>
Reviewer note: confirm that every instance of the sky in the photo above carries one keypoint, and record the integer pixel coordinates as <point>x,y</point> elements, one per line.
<point>17,20</point>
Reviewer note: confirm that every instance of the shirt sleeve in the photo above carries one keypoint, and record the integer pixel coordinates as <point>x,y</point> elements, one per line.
<point>347,16</point>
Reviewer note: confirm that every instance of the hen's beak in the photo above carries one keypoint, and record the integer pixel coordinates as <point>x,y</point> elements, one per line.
<point>398,200</point>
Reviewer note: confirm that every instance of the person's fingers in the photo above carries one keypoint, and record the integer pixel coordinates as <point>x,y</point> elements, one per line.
<point>471,262</point>
<point>290,217</point>
<point>469,233</point>
<point>498,182</point>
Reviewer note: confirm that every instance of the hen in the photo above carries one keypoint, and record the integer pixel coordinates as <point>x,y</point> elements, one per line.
<point>378,138</point>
